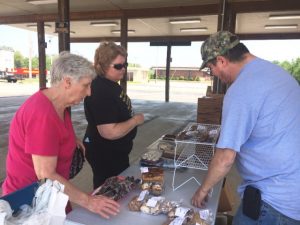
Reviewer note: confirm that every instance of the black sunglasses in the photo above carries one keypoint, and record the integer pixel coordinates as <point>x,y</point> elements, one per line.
<point>119,66</point>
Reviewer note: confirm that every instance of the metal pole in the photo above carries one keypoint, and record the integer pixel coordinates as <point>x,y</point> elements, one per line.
<point>167,88</point>
<point>42,55</point>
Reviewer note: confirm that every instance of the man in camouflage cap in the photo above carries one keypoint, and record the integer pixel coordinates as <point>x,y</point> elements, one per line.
<point>219,50</point>
<point>217,44</point>
<point>259,131</point>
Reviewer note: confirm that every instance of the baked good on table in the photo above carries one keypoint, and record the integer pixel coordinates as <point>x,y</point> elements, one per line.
<point>134,204</point>
<point>152,156</point>
<point>154,174</point>
<point>191,218</point>
<point>153,180</point>
<point>117,187</point>
<point>168,149</point>
<point>169,137</point>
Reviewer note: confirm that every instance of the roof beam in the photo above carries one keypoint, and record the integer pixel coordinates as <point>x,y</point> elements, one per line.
<point>140,39</point>
<point>33,18</point>
<point>268,36</point>
<point>208,9</point>
<point>265,6</point>
<point>211,9</point>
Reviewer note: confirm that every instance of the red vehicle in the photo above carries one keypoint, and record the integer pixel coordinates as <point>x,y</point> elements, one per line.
<point>24,72</point>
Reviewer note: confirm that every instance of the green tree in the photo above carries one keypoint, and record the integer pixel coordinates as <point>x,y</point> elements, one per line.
<point>48,62</point>
<point>295,69</point>
<point>292,67</point>
<point>35,62</point>
<point>19,60</point>
<point>26,62</point>
<point>151,74</point>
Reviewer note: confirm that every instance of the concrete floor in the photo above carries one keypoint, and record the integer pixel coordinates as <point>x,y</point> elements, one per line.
<point>160,118</point>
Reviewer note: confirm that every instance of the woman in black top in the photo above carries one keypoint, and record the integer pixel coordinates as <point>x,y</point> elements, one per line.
<point>112,125</point>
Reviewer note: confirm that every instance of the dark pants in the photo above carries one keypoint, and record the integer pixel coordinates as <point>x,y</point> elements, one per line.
<point>106,161</point>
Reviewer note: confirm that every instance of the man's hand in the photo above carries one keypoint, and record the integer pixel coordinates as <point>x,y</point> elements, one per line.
<point>200,198</point>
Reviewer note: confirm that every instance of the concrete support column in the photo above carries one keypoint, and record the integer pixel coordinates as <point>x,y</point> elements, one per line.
<point>63,25</point>
<point>124,37</point>
<point>42,55</point>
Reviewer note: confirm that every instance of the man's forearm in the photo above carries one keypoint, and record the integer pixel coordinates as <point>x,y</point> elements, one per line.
<point>218,168</point>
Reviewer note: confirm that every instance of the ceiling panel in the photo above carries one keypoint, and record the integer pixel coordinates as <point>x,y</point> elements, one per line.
<point>246,23</point>
<point>255,22</point>
<point>143,27</point>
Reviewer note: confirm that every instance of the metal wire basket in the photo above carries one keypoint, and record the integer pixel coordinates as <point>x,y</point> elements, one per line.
<point>196,145</point>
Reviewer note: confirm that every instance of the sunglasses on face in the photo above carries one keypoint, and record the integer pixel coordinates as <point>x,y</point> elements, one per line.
<point>119,66</point>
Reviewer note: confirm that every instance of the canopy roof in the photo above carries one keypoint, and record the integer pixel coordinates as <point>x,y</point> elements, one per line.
<point>150,19</point>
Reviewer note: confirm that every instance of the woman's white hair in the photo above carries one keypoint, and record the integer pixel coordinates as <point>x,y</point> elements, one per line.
<point>71,65</point>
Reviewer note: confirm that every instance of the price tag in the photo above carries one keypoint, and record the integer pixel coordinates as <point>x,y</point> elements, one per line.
<point>151,203</point>
<point>144,170</point>
<point>181,211</point>
<point>204,214</point>
<point>177,221</point>
<point>142,195</point>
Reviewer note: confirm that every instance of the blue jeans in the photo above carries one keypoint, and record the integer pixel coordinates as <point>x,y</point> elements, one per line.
<point>268,216</point>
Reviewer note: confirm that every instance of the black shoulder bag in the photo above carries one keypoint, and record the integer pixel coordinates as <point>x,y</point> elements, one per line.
<point>77,162</point>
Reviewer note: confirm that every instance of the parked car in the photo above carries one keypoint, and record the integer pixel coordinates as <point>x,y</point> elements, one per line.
<point>11,78</point>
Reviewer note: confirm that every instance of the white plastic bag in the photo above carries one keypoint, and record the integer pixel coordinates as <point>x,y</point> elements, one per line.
<point>48,207</point>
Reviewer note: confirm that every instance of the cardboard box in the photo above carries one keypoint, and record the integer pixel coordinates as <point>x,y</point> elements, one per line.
<point>210,109</point>
<point>226,198</point>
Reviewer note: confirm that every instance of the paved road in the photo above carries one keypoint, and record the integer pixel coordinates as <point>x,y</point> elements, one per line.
<point>179,91</point>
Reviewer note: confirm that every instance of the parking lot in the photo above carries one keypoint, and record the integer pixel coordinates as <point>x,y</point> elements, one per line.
<point>180,91</point>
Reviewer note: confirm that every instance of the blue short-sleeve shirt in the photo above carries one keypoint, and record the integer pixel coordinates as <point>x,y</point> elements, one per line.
<point>261,122</point>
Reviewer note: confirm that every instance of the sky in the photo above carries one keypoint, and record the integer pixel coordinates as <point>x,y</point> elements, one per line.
<point>144,55</point>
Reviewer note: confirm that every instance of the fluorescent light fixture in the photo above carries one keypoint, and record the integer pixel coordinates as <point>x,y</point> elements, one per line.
<point>291,26</point>
<point>196,29</point>
<point>41,2</point>
<point>183,21</point>
<point>34,26</point>
<point>118,31</point>
<point>284,17</point>
<point>104,24</point>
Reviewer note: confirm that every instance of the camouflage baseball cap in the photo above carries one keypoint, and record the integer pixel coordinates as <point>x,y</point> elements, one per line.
<point>217,44</point>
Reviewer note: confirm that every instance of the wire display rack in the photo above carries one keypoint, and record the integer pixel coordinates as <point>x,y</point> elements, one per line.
<point>196,144</point>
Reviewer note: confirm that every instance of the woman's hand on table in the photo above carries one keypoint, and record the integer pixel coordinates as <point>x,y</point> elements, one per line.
<point>200,198</point>
<point>103,206</point>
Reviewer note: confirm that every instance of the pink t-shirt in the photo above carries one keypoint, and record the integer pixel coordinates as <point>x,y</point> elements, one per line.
<point>37,129</point>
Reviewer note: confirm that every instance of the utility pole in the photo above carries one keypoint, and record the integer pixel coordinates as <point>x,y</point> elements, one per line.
<point>30,55</point>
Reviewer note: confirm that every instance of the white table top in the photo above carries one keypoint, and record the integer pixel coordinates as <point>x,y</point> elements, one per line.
<point>183,194</point>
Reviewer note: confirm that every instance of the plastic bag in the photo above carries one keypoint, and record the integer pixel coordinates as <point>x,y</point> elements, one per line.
<point>48,207</point>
